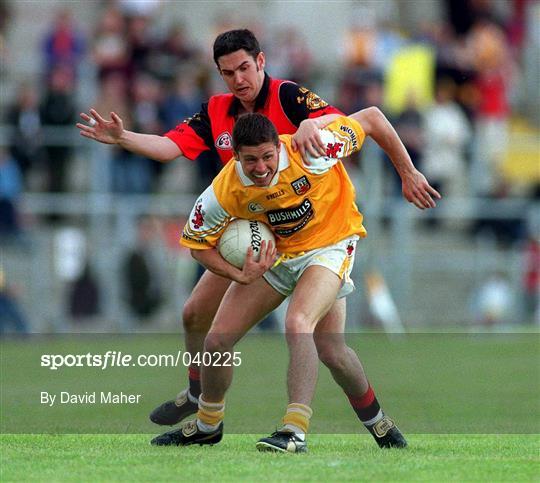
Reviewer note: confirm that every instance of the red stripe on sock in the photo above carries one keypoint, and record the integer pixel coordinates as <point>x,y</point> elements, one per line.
<point>194,374</point>
<point>361,402</point>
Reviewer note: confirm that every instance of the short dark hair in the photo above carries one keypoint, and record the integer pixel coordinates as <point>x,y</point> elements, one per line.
<point>253,129</point>
<point>234,40</point>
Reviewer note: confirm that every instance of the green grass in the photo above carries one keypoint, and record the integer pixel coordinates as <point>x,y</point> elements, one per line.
<point>469,405</point>
<point>443,383</point>
<point>330,458</point>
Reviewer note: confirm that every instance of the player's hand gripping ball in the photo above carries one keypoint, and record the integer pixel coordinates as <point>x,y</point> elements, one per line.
<point>241,234</point>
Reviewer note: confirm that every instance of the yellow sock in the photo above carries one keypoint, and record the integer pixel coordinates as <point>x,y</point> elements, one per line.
<point>210,415</point>
<point>297,417</point>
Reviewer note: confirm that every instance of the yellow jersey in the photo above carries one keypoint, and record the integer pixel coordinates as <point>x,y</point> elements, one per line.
<point>307,206</point>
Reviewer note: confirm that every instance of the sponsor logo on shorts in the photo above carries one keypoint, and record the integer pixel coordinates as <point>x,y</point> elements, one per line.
<point>301,185</point>
<point>224,141</point>
<point>256,208</point>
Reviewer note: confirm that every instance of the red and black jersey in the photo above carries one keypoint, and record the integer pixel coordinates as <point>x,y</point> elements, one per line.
<point>285,103</point>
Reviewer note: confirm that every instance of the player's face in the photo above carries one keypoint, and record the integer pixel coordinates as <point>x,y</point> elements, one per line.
<point>243,74</point>
<point>259,163</point>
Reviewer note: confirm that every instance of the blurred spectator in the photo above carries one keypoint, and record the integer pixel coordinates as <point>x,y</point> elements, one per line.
<point>84,296</point>
<point>10,190</point>
<point>111,47</point>
<point>140,277</point>
<point>184,99</point>
<point>58,110</point>
<point>11,316</point>
<point>359,42</point>
<point>463,14</point>
<point>409,78</point>
<point>531,280</point>
<point>63,45</point>
<point>113,97</point>
<point>290,56</point>
<point>388,42</point>
<point>410,127</point>
<point>493,73</point>
<point>144,8</point>
<point>26,141</point>
<point>358,53</point>
<point>131,173</point>
<point>446,133</point>
<point>172,54</point>
<point>141,45</point>
<point>493,300</point>
<point>146,118</point>
<point>5,16</point>
<point>506,231</point>
<point>453,60</point>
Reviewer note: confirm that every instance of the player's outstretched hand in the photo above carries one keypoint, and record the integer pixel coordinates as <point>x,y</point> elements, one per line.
<point>252,269</point>
<point>417,190</point>
<point>308,141</point>
<point>107,132</point>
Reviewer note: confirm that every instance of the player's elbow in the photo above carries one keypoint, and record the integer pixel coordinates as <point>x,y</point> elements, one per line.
<point>375,115</point>
<point>165,157</point>
<point>372,119</point>
<point>168,150</point>
<point>162,159</point>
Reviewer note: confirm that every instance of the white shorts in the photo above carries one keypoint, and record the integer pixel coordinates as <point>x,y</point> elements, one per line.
<point>338,258</point>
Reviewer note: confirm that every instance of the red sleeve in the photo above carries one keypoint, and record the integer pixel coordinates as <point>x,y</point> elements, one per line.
<point>300,103</point>
<point>194,135</point>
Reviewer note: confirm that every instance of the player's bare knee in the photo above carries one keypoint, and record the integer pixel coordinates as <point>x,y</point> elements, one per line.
<point>195,318</point>
<point>298,323</point>
<point>218,343</point>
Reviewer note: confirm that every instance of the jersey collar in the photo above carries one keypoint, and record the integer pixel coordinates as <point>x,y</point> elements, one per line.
<point>283,163</point>
<point>236,105</point>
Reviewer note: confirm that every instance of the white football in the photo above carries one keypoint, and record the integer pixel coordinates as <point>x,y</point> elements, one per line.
<point>241,234</point>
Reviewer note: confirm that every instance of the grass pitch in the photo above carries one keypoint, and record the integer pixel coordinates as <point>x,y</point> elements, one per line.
<point>330,458</point>
<point>445,391</point>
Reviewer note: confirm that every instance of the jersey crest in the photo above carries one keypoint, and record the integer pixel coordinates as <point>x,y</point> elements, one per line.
<point>224,141</point>
<point>333,149</point>
<point>301,185</point>
<point>198,217</point>
<point>311,100</point>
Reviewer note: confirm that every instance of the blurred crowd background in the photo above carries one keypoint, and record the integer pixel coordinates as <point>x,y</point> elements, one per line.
<point>88,233</point>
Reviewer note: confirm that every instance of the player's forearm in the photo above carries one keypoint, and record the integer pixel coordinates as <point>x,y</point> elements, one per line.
<point>213,261</point>
<point>377,126</point>
<point>323,121</point>
<point>159,148</point>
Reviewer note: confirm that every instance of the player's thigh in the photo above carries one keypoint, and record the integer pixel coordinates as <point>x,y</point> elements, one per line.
<point>312,298</point>
<point>243,306</point>
<point>207,294</point>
